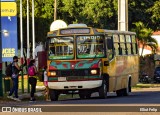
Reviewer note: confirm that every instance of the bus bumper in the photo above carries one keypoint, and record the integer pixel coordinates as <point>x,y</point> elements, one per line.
<point>75,85</point>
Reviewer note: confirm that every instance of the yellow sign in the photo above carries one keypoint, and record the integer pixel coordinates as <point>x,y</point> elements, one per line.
<point>8,52</point>
<point>8,9</point>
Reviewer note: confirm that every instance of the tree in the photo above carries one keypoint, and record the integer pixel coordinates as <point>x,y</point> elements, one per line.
<point>43,19</point>
<point>138,12</point>
<point>155,11</point>
<point>144,36</point>
<point>94,13</point>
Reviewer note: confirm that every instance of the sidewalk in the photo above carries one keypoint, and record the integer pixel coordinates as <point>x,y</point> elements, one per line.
<point>39,92</point>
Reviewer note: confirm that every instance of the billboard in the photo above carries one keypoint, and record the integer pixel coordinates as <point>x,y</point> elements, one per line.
<point>9,30</point>
<point>8,9</point>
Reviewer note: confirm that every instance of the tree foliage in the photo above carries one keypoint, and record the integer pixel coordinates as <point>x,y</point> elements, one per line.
<point>95,13</point>
<point>155,11</point>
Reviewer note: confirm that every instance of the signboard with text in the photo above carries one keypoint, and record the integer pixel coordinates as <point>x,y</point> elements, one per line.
<point>9,30</point>
<point>7,0</point>
<point>8,9</point>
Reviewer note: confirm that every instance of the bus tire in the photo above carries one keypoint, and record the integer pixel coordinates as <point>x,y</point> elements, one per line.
<point>128,88</point>
<point>103,90</point>
<point>53,95</point>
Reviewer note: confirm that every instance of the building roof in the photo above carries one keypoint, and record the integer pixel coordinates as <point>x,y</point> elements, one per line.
<point>156,32</point>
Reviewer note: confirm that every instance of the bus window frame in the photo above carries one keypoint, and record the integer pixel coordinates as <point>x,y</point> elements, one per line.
<point>105,55</point>
<point>117,42</point>
<point>129,42</point>
<point>112,46</point>
<point>49,42</point>
<point>135,52</point>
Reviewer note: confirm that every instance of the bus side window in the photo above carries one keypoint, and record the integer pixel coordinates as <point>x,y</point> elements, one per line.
<point>129,48</point>
<point>120,48</point>
<point>110,50</point>
<point>128,45</point>
<point>116,48</point>
<point>134,48</point>
<point>134,45</point>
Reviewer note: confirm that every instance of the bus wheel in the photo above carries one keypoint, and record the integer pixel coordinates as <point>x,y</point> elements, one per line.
<point>53,95</point>
<point>103,90</point>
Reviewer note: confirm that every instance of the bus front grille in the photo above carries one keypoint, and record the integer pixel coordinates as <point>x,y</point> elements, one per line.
<point>76,72</point>
<point>65,73</point>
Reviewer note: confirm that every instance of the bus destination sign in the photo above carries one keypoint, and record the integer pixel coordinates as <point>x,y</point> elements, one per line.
<point>75,31</point>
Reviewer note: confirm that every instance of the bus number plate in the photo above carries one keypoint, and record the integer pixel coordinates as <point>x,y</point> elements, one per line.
<point>61,78</point>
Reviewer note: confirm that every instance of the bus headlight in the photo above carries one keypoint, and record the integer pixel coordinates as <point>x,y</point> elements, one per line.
<point>93,71</point>
<point>53,73</point>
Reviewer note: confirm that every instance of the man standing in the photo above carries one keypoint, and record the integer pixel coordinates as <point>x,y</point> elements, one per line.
<point>15,72</point>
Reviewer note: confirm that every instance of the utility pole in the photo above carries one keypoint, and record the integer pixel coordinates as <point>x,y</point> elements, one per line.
<point>123,15</point>
<point>21,37</point>
<point>28,46</point>
<point>55,10</point>
<point>33,31</point>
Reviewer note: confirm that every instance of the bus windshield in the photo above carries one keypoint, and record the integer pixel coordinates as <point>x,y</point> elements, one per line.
<point>90,46</point>
<point>61,48</point>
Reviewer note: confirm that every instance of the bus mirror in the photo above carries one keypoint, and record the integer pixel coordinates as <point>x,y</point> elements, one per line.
<point>109,43</point>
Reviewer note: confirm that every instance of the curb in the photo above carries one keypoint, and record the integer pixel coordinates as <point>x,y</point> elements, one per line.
<point>40,90</point>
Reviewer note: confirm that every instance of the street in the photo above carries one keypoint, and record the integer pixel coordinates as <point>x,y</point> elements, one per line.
<point>140,100</point>
<point>143,96</point>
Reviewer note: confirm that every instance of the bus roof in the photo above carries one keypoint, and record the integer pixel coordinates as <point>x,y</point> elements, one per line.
<point>76,30</point>
<point>116,31</point>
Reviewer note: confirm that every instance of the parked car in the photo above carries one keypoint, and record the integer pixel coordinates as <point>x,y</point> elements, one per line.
<point>144,78</point>
<point>157,74</point>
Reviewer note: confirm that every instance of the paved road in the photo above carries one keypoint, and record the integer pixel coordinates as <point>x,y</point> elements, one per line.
<point>145,96</point>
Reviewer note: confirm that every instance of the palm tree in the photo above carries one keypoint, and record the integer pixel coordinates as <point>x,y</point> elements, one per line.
<point>144,36</point>
<point>153,44</point>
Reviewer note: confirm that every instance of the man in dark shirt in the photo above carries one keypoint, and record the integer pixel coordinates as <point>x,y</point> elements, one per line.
<point>15,72</point>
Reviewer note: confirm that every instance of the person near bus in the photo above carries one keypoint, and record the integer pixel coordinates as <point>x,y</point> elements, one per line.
<point>15,72</point>
<point>32,71</point>
<point>46,83</point>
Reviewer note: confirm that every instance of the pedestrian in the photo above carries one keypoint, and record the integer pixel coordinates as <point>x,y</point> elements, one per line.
<point>46,83</point>
<point>15,72</point>
<point>32,71</point>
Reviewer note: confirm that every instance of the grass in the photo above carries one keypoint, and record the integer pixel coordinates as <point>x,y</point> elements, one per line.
<point>25,84</point>
<point>140,85</point>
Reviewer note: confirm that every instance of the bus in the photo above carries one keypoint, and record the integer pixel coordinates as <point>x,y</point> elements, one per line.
<point>85,60</point>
